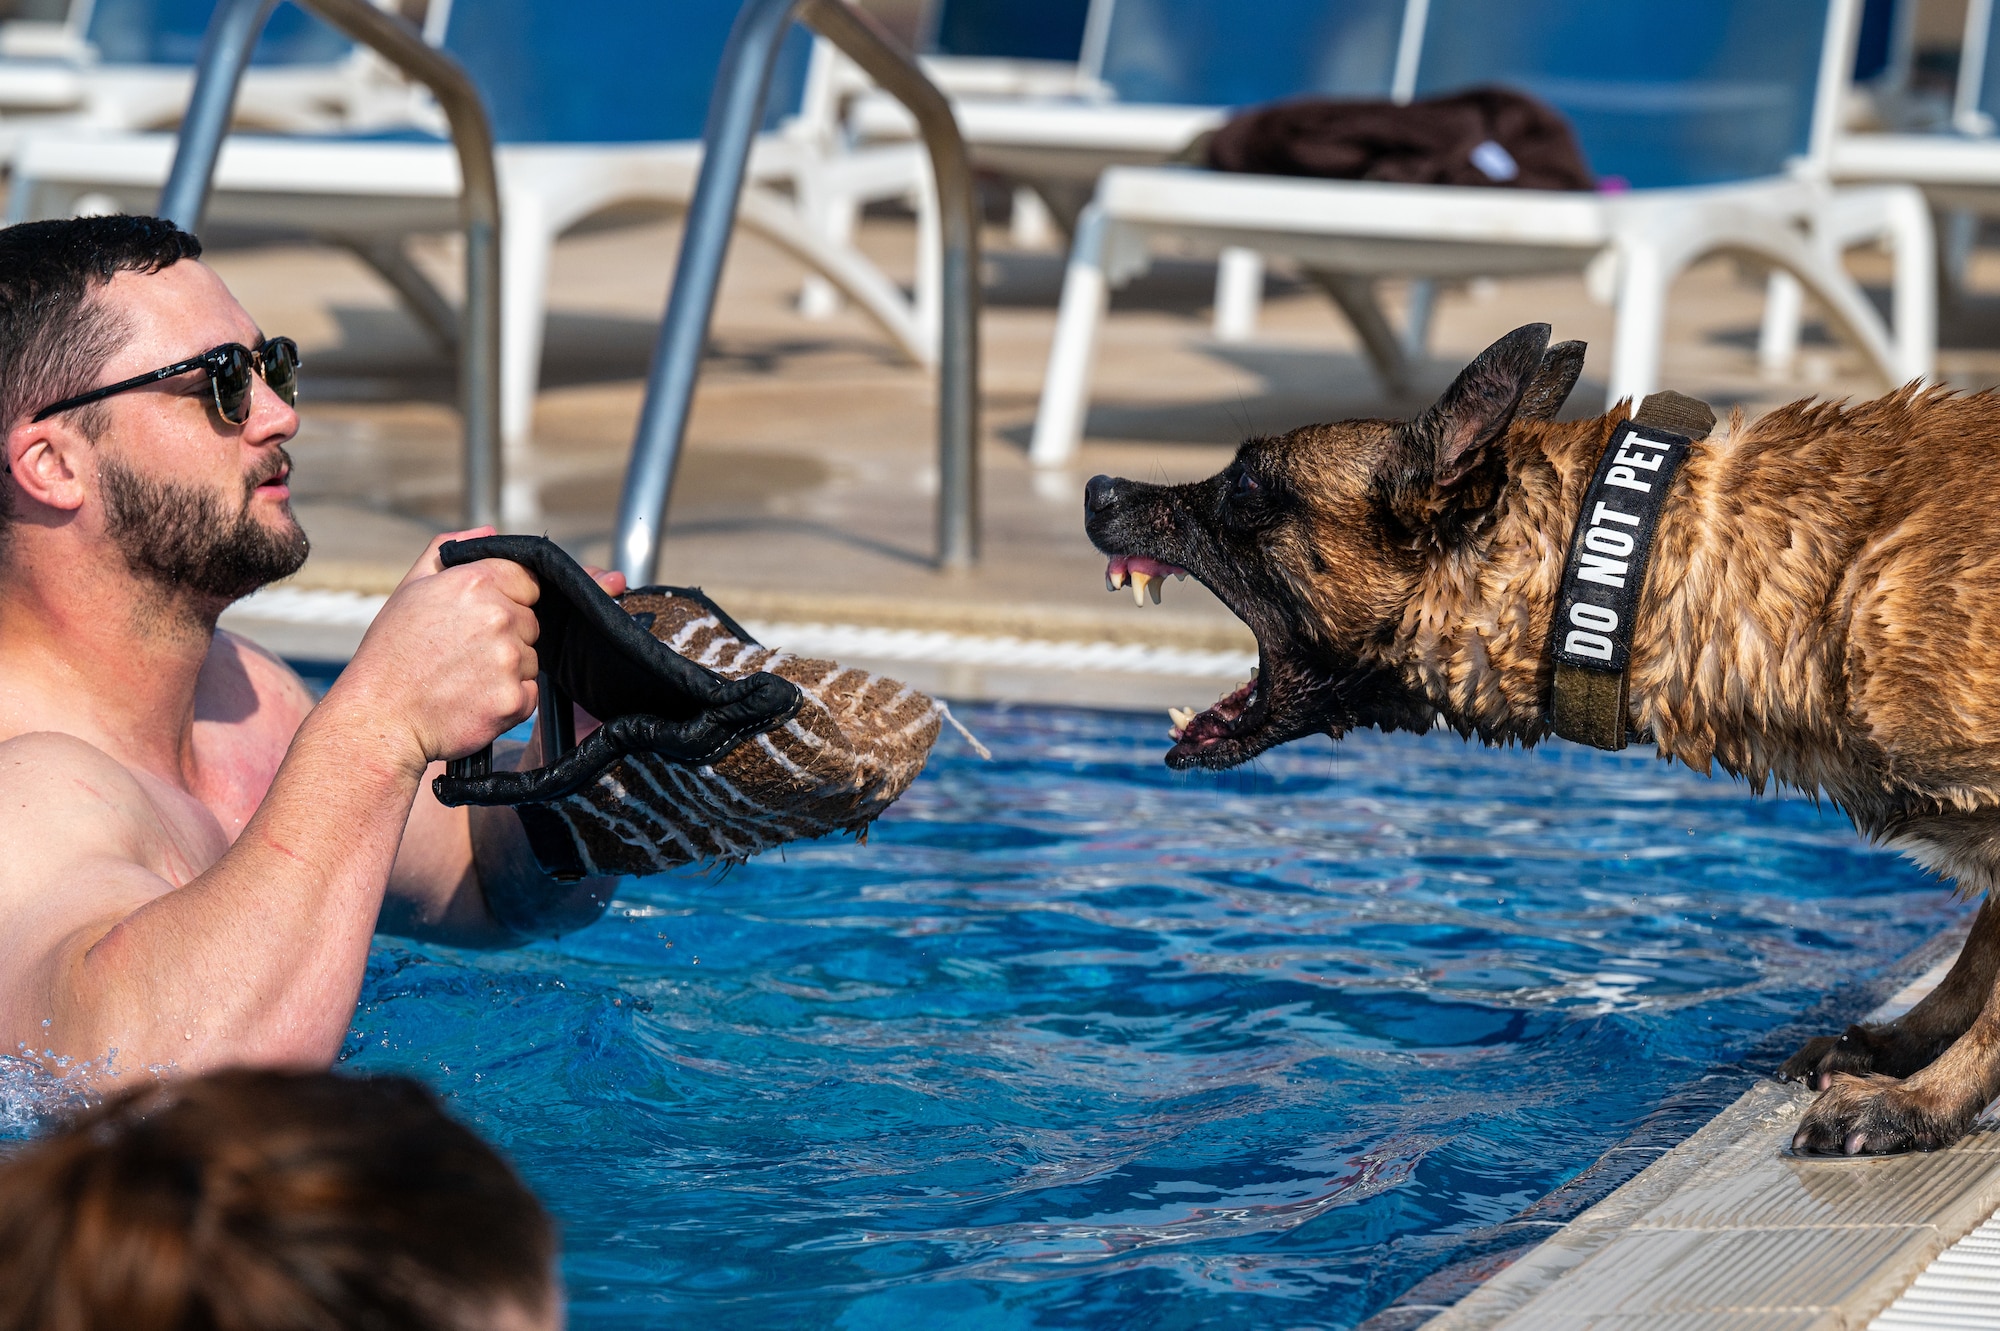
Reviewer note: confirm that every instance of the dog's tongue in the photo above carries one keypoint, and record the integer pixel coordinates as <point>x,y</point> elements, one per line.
<point>1143,572</point>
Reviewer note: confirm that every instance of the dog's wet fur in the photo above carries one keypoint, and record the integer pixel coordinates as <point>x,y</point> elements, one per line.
<point>1822,610</point>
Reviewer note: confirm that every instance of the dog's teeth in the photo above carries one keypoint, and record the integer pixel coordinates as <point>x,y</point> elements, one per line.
<point>1180,575</point>
<point>1109,586</point>
<point>1113,579</point>
<point>1182,716</point>
<point>1139,581</point>
<point>1154,589</point>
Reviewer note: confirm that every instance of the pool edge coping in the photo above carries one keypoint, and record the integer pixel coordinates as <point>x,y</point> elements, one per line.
<point>1764,1114</point>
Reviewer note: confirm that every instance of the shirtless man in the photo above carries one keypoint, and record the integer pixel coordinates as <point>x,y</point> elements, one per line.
<point>193,856</point>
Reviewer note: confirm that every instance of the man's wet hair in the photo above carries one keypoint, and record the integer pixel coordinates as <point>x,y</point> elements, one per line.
<point>270,1201</point>
<point>54,337</point>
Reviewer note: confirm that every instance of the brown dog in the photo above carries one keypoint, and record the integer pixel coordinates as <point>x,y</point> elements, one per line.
<point>1822,609</point>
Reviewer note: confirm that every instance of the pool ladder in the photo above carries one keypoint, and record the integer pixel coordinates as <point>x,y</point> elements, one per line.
<point>734,113</point>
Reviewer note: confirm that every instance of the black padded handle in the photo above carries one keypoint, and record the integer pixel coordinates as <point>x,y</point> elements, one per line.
<point>473,764</point>
<point>649,697</point>
<point>556,715</point>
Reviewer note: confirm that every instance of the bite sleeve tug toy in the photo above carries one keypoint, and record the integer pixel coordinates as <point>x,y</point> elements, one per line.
<point>712,746</point>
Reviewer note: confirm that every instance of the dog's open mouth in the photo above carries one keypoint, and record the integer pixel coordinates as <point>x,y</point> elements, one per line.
<point>1229,732</point>
<point>1144,575</point>
<point>1238,726</point>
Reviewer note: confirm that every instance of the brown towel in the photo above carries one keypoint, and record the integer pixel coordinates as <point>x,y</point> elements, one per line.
<point>1488,136</point>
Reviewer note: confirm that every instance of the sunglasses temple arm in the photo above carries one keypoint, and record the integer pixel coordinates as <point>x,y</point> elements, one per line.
<point>122,386</point>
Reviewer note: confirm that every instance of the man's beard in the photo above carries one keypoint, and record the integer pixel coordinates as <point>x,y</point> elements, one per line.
<point>189,540</point>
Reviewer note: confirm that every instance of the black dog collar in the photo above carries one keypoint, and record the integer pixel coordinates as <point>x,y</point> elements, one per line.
<point>1599,598</point>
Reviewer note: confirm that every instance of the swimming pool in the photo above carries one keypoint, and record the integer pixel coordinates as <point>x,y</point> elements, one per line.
<point>1076,1041</point>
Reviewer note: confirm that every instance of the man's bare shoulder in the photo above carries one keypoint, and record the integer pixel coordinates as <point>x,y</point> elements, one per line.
<point>78,823</point>
<point>89,842</point>
<point>45,765</point>
<point>57,789</point>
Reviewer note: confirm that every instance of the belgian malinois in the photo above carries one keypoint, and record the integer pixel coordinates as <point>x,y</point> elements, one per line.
<point>1822,596</point>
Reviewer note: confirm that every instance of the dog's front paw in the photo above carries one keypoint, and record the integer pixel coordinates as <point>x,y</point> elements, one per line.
<point>1876,1115</point>
<point>1857,1050</point>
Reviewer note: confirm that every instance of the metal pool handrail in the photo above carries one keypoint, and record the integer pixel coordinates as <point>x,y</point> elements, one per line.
<point>225,52</point>
<point>735,111</point>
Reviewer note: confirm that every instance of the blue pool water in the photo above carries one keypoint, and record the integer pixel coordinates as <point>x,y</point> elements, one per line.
<point>1074,1041</point>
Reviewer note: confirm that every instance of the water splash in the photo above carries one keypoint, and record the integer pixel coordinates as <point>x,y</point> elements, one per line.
<point>33,1097</point>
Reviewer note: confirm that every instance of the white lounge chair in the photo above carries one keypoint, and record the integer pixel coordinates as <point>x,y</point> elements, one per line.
<point>587,116</point>
<point>968,48</point>
<point>1721,115</point>
<point>1153,75</point>
<point>129,65</point>
<point>1957,165</point>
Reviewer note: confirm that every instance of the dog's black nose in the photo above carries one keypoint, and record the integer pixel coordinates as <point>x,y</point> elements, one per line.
<point>1099,493</point>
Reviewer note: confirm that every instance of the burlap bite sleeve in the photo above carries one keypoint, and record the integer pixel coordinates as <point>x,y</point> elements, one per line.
<point>858,741</point>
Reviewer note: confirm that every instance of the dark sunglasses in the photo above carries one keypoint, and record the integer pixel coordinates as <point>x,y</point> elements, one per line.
<point>229,367</point>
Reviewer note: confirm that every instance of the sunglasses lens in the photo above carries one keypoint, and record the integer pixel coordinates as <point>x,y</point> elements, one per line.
<point>230,374</point>
<point>281,368</point>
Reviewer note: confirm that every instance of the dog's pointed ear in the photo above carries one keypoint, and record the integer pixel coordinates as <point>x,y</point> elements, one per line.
<point>1452,435</point>
<point>1561,365</point>
<point>1425,476</point>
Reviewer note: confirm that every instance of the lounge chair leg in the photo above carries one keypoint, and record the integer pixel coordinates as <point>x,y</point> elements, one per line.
<point>1639,324</point>
<point>524,277</point>
<point>1899,215</point>
<point>427,305</point>
<point>859,281</point>
<point>1778,335</point>
<point>1239,294</point>
<point>818,298</point>
<point>1417,326</point>
<point>833,216</point>
<point>1356,298</point>
<point>1961,237</point>
<point>1908,219</point>
<point>1030,224</point>
<point>1066,387</point>
<point>1906,349</point>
